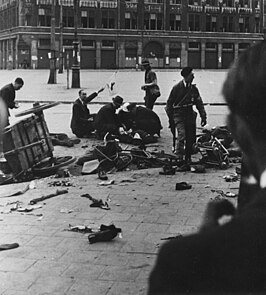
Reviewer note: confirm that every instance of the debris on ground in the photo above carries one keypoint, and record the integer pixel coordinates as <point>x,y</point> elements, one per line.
<point>224,194</point>
<point>104,183</point>
<point>29,186</point>
<point>80,228</point>
<point>231,177</point>
<point>57,193</point>
<point>97,202</point>
<point>60,183</point>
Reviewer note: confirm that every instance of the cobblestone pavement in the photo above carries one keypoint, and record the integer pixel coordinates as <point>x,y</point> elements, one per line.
<point>52,260</point>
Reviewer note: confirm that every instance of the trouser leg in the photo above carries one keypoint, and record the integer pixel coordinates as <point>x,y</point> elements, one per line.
<point>149,101</point>
<point>180,140</point>
<point>190,127</point>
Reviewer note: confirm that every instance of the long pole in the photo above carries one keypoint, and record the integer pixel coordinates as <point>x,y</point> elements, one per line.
<point>75,66</point>
<point>52,77</point>
<point>60,70</point>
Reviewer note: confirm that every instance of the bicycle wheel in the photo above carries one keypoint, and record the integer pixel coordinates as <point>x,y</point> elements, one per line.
<point>51,165</point>
<point>123,160</point>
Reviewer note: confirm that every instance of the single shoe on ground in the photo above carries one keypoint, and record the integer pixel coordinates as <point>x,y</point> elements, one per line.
<point>8,246</point>
<point>182,186</point>
<point>106,233</point>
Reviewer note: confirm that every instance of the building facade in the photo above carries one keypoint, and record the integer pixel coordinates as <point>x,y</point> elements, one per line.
<point>204,34</point>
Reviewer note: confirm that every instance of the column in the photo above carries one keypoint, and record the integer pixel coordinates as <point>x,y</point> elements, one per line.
<point>166,54</point>
<point>98,54</point>
<point>203,54</point>
<point>236,50</point>
<point>121,54</point>
<point>139,52</point>
<point>220,54</point>
<point>184,54</point>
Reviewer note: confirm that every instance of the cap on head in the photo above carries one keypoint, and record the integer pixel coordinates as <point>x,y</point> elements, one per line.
<point>145,62</point>
<point>186,71</point>
<point>118,100</point>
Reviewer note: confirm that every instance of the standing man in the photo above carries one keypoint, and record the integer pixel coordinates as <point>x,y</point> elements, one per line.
<point>8,93</point>
<point>150,85</point>
<point>82,122</point>
<point>179,108</point>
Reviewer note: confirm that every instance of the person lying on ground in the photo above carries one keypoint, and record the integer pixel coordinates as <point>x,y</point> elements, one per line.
<point>228,258</point>
<point>82,121</point>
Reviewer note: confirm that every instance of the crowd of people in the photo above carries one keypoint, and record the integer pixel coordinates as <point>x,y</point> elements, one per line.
<point>131,123</point>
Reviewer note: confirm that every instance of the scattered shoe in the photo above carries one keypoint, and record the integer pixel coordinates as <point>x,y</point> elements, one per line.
<point>182,186</point>
<point>8,246</point>
<point>106,233</point>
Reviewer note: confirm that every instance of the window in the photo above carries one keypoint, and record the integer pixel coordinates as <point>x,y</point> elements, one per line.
<point>175,1</point>
<point>243,46</point>
<point>211,46</point>
<point>44,17</point>
<point>244,24</point>
<point>91,19</point>
<point>228,3</point>
<point>211,23</point>
<point>175,22</point>
<point>193,45</point>
<point>108,19</point>
<point>153,21</point>
<point>131,20</point>
<point>87,43</point>
<point>244,3</point>
<point>84,19</point>
<point>108,43</point>
<point>193,2</point>
<point>68,18</point>
<point>28,20</point>
<point>44,42</point>
<point>194,22</point>
<point>211,2</point>
<point>227,24</point>
<point>228,46</point>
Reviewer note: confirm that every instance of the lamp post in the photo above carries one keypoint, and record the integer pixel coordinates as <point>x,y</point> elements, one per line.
<point>75,66</point>
<point>52,77</point>
<point>60,70</point>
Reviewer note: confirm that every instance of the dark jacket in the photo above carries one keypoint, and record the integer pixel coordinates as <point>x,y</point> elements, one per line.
<point>8,93</point>
<point>106,120</point>
<point>227,259</point>
<point>180,106</point>
<point>142,119</point>
<point>80,115</point>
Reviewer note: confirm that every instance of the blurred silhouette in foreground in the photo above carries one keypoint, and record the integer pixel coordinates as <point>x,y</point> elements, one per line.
<point>230,257</point>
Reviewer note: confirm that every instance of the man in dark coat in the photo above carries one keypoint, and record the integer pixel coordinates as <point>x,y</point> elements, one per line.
<point>150,79</point>
<point>140,118</point>
<point>82,122</point>
<point>106,120</point>
<point>179,108</point>
<point>8,93</point>
<point>229,258</point>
